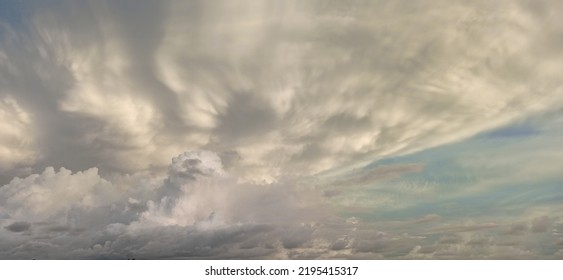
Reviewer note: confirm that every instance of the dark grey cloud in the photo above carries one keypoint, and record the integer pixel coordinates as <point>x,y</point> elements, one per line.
<point>18,227</point>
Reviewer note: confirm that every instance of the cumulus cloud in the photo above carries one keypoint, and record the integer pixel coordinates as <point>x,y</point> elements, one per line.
<point>142,216</point>
<point>42,196</point>
<point>199,210</point>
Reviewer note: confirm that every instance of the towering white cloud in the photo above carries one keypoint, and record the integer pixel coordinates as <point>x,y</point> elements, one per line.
<point>102,218</point>
<point>52,195</point>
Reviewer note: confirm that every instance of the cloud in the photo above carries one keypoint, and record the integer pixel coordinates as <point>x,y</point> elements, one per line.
<point>199,211</point>
<point>18,227</point>
<point>143,217</point>
<point>467,228</point>
<point>541,224</point>
<point>292,88</point>
<point>283,106</point>
<point>40,197</point>
<point>428,219</point>
<point>17,145</point>
<point>518,228</point>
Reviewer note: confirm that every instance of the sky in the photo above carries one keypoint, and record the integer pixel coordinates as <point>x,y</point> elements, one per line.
<point>281,129</point>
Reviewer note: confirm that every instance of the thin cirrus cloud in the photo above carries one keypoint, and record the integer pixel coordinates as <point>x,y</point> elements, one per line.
<point>96,98</point>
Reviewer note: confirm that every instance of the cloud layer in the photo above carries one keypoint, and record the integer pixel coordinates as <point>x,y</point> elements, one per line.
<point>289,88</point>
<point>301,129</point>
<point>200,211</point>
<point>58,214</point>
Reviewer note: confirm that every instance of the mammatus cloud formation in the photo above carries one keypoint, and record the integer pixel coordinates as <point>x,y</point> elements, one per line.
<point>289,88</point>
<point>299,119</point>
